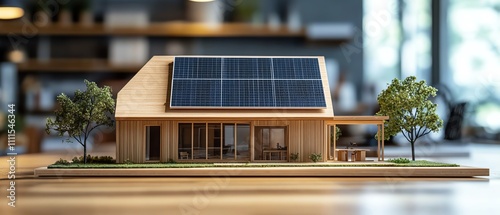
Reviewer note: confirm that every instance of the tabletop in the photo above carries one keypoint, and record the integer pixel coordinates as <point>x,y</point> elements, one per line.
<point>251,195</point>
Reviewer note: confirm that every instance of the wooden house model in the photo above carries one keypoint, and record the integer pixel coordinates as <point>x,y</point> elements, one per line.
<point>228,109</point>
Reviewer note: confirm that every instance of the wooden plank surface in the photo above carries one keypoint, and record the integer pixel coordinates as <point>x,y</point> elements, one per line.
<point>215,195</point>
<point>273,172</point>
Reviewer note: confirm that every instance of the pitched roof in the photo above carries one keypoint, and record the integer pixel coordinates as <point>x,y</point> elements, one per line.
<point>145,97</point>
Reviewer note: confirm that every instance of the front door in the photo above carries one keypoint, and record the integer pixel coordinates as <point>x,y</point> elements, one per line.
<point>153,140</point>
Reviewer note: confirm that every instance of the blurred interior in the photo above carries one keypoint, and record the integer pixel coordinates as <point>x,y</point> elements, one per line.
<point>451,44</point>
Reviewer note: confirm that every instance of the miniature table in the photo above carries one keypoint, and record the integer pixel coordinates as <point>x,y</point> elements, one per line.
<point>269,152</point>
<point>357,154</point>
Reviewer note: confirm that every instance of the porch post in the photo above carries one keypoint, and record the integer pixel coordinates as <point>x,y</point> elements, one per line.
<point>334,141</point>
<point>378,141</point>
<point>383,138</point>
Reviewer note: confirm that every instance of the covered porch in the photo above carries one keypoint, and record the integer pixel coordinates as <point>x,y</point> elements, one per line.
<point>353,154</point>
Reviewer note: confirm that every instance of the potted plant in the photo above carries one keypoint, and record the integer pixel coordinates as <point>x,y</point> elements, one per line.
<point>86,18</point>
<point>294,157</point>
<point>315,157</point>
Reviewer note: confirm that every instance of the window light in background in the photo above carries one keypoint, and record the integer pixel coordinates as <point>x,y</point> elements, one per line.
<point>10,9</point>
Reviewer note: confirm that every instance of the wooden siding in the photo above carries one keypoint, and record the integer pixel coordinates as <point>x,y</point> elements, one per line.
<point>304,137</point>
<point>131,139</point>
<point>312,139</point>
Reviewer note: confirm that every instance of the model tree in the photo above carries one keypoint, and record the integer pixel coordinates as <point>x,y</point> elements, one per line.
<point>79,116</point>
<point>409,109</point>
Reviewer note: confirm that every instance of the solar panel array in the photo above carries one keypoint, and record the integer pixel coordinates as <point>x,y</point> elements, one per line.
<point>226,82</point>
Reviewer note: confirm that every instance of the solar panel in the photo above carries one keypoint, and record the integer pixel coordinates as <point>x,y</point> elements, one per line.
<point>197,68</point>
<point>296,68</point>
<point>216,82</point>
<point>246,68</point>
<point>192,93</point>
<point>247,93</point>
<point>299,93</point>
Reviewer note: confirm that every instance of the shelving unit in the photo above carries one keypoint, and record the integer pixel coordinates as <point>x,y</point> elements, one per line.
<point>167,29</point>
<point>75,65</point>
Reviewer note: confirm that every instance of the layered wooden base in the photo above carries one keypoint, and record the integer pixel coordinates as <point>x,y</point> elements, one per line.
<point>457,172</point>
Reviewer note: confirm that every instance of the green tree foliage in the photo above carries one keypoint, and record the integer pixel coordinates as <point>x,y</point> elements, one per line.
<point>409,109</point>
<point>79,116</point>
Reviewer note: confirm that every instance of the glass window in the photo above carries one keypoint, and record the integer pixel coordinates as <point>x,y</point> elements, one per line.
<point>396,41</point>
<point>214,140</point>
<point>381,41</point>
<point>199,141</point>
<point>243,143</point>
<point>473,49</point>
<point>228,149</point>
<point>185,141</point>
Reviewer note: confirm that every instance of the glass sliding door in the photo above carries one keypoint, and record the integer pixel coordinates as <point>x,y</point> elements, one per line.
<point>214,140</point>
<point>185,141</point>
<point>228,151</point>
<point>200,141</point>
<point>243,142</point>
<point>153,141</point>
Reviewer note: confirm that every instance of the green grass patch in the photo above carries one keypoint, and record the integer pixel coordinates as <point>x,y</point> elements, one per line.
<point>424,163</point>
<point>399,160</point>
<point>420,163</point>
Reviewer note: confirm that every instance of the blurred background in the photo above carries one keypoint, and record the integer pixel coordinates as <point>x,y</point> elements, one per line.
<point>48,47</point>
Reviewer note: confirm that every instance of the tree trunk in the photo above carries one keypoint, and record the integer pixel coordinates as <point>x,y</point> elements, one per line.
<point>413,150</point>
<point>85,152</point>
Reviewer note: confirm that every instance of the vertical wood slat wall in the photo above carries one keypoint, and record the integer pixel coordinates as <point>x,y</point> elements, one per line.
<point>304,137</point>
<point>131,140</point>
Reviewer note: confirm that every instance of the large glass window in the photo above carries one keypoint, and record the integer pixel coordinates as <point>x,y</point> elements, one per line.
<point>397,43</point>
<point>200,143</point>
<point>214,141</point>
<point>474,59</point>
<point>185,141</point>
<point>228,149</point>
<point>381,42</point>
<point>243,142</point>
<point>396,40</point>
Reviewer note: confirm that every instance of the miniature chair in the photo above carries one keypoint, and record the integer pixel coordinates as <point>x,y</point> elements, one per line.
<point>342,155</point>
<point>360,155</point>
<point>353,156</point>
<point>184,155</point>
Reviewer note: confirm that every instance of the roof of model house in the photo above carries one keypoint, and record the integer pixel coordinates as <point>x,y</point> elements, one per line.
<point>227,87</point>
